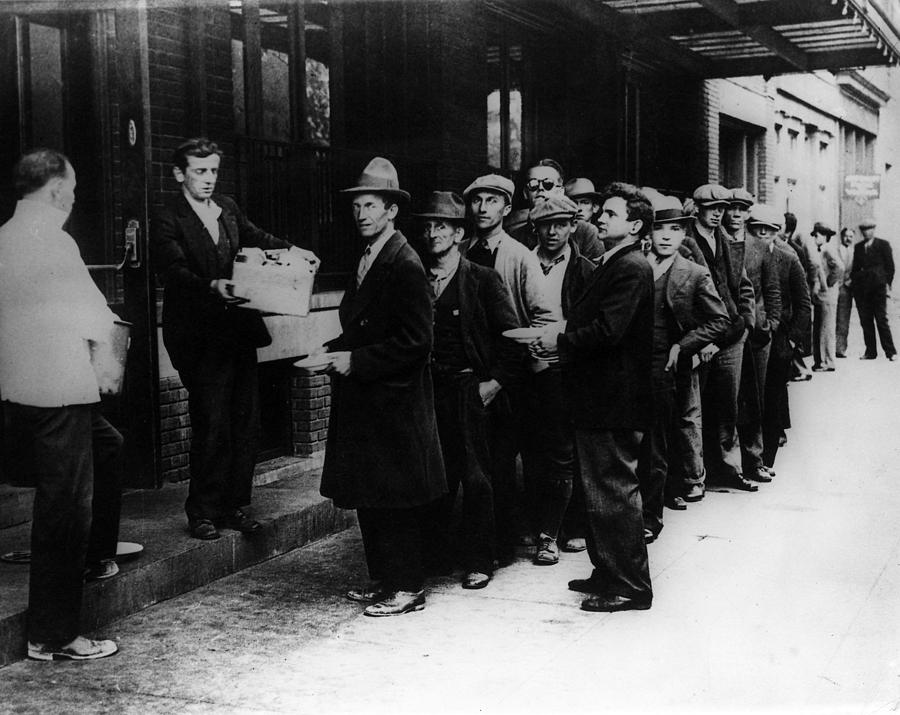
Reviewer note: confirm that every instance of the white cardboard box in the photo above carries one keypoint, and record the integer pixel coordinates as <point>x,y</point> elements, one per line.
<point>278,281</point>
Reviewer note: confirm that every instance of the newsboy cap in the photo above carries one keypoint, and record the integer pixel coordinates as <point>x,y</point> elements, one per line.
<point>867,222</point>
<point>581,188</point>
<point>823,229</point>
<point>379,177</point>
<point>766,215</point>
<point>711,195</point>
<point>667,209</point>
<point>742,196</point>
<point>553,207</point>
<point>444,204</point>
<point>492,182</point>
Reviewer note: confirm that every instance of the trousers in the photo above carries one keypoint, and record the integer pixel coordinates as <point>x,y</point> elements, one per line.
<point>720,381</point>
<point>872,308</point>
<point>393,542</point>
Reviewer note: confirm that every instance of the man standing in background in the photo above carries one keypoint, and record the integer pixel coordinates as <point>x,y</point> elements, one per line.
<point>872,275</point>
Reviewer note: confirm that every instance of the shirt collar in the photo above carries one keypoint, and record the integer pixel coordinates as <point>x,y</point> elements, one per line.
<point>32,210</point>
<point>617,249</point>
<point>373,249</point>
<point>446,272</point>
<point>206,210</point>
<point>661,265</point>
<point>548,266</point>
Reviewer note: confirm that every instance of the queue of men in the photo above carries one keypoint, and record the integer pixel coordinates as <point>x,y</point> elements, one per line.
<point>658,361</point>
<point>657,352</point>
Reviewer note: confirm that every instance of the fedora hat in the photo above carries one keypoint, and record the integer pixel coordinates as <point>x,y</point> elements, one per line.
<point>581,188</point>
<point>668,209</point>
<point>444,204</point>
<point>823,228</point>
<point>379,177</point>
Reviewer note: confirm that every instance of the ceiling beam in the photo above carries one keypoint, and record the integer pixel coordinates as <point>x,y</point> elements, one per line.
<point>632,31</point>
<point>771,66</point>
<point>730,12</point>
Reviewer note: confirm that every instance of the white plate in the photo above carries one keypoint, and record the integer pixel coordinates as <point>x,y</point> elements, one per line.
<point>523,335</point>
<point>126,550</point>
<point>315,364</point>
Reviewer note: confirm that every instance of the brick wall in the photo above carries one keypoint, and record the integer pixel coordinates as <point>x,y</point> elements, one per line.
<point>310,408</point>
<point>175,429</point>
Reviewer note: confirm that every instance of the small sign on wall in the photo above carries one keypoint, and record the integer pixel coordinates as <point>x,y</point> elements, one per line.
<point>862,187</point>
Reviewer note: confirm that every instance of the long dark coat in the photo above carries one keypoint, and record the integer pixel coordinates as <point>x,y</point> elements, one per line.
<point>383,449</point>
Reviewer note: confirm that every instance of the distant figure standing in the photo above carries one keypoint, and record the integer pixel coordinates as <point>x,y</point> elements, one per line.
<point>872,275</point>
<point>844,251</point>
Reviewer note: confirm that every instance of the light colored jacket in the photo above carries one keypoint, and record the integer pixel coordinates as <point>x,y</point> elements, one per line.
<point>49,308</point>
<point>520,271</point>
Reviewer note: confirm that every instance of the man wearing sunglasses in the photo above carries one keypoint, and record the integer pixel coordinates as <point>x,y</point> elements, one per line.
<point>545,179</point>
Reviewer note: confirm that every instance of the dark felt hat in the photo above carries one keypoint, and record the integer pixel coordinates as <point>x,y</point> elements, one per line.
<point>379,177</point>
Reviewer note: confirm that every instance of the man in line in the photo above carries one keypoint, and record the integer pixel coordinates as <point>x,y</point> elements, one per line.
<point>544,179</point>
<point>825,298</point>
<point>211,341</point>
<point>489,201</point>
<point>720,378</point>
<point>549,455</point>
<point>765,223</point>
<point>872,275</point>
<point>50,314</point>
<point>802,349</point>
<point>687,315</point>
<point>586,198</point>
<point>606,347</point>
<point>383,456</point>
<point>844,251</point>
<point>471,361</point>
<point>750,252</point>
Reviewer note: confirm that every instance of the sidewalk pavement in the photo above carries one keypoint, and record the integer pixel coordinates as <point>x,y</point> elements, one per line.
<point>781,601</point>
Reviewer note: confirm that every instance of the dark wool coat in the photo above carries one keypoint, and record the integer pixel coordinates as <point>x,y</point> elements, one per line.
<point>383,449</point>
<point>796,307</point>
<point>608,344</point>
<point>186,260</point>
<point>872,270</point>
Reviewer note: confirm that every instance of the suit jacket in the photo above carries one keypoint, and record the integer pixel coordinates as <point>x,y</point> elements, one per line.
<point>520,272</point>
<point>873,270</point>
<point>485,312</point>
<point>186,260</point>
<point>754,255</point>
<point>607,346</point>
<point>578,271</point>
<point>383,449</point>
<point>828,274</point>
<point>796,307</point>
<point>696,305</point>
<point>730,279</point>
<point>586,236</point>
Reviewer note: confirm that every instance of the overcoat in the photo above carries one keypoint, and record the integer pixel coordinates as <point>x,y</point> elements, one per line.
<point>607,346</point>
<point>383,450</point>
<point>694,301</point>
<point>186,259</point>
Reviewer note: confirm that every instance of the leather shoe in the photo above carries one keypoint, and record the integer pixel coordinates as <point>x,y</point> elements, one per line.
<point>397,603</point>
<point>575,545</point>
<point>613,602</point>
<point>893,357</point>
<point>475,580</point>
<point>770,470</point>
<point>203,529</point>
<point>867,357</point>
<point>760,475</point>
<point>649,536</point>
<point>366,594</point>
<point>239,521</point>
<point>548,552</point>
<point>738,482</point>
<point>695,493</point>
<point>585,585</point>
<point>676,504</point>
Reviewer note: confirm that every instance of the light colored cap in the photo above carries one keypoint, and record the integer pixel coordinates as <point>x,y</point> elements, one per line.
<point>492,182</point>
<point>553,207</point>
<point>766,215</point>
<point>742,196</point>
<point>711,194</point>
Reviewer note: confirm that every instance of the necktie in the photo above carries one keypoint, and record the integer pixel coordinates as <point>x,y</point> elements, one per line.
<point>547,267</point>
<point>363,267</point>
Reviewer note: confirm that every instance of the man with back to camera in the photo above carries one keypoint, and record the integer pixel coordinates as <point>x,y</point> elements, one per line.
<point>50,313</point>
<point>606,347</point>
<point>545,178</point>
<point>872,275</point>
<point>383,455</point>
<point>211,341</point>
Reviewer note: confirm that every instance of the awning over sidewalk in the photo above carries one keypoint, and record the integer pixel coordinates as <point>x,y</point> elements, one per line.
<point>731,38</point>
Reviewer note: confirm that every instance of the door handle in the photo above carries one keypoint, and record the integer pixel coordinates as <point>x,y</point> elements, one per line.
<point>132,257</point>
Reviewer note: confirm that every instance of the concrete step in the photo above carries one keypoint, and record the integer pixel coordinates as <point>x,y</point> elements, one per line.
<point>15,505</point>
<point>291,510</point>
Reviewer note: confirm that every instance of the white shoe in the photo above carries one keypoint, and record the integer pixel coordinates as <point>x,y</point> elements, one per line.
<point>80,648</point>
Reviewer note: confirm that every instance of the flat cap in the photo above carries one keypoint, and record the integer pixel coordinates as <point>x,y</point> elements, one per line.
<point>823,229</point>
<point>766,215</point>
<point>667,209</point>
<point>492,182</point>
<point>553,207</point>
<point>742,196</point>
<point>867,222</point>
<point>581,188</point>
<point>711,194</point>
